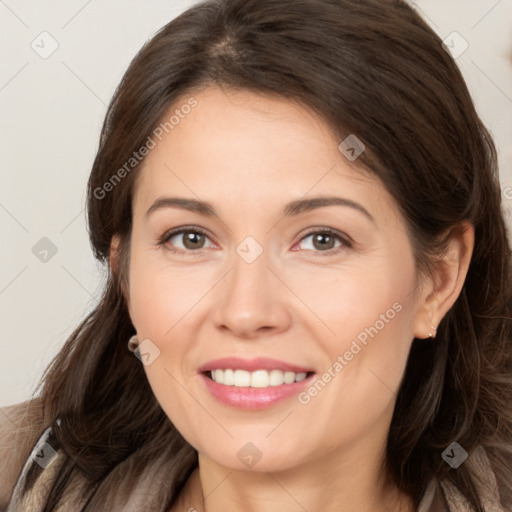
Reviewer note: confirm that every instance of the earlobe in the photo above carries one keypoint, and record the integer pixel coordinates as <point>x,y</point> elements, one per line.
<point>433,332</point>
<point>446,282</point>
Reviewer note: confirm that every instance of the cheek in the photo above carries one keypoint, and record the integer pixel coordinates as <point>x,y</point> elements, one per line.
<point>367,315</point>
<point>364,368</point>
<point>370,353</point>
<point>353,301</point>
<point>161,294</point>
<point>160,300</point>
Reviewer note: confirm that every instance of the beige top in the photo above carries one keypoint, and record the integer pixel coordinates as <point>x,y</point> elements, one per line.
<point>439,496</point>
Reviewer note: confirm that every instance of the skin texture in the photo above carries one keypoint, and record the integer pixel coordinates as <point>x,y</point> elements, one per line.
<point>299,302</point>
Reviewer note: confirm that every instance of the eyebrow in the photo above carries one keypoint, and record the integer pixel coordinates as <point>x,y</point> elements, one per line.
<point>291,209</point>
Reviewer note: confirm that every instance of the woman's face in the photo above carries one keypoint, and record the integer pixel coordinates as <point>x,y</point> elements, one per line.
<point>259,290</point>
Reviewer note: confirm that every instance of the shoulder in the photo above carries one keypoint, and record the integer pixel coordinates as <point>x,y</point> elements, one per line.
<point>19,426</point>
<point>485,482</point>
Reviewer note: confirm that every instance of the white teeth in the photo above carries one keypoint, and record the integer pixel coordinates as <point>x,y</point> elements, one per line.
<point>260,379</point>
<point>276,378</point>
<point>289,377</point>
<point>228,378</point>
<point>256,379</point>
<point>241,378</point>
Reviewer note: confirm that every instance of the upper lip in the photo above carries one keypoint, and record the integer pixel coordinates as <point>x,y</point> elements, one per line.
<point>251,365</point>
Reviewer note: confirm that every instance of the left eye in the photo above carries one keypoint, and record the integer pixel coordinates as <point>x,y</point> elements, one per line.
<point>323,241</point>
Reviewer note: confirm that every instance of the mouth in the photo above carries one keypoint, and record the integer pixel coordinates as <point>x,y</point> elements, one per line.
<point>254,384</point>
<point>256,379</point>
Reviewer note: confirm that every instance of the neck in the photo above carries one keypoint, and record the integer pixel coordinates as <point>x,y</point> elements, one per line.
<point>353,486</point>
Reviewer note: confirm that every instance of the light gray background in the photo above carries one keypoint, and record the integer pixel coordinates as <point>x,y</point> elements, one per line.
<point>51,110</point>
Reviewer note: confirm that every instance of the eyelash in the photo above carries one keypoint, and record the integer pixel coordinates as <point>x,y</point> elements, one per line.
<point>346,242</point>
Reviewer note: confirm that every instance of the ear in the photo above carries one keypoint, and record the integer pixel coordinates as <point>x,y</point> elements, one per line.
<point>113,255</point>
<point>113,259</point>
<point>443,287</point>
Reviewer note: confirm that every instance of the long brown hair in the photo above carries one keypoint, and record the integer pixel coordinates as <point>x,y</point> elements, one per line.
<point>372,68</point>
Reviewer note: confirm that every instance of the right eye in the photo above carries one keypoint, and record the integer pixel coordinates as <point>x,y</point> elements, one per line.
<point>192,240</point>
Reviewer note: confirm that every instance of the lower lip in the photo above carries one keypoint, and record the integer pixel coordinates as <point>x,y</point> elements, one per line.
<point>254,398</point>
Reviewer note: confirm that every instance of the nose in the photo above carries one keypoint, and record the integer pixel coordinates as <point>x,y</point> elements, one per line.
<point>250,302</point>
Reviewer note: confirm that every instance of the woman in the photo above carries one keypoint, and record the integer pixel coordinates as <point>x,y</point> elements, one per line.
<point>308,303</point>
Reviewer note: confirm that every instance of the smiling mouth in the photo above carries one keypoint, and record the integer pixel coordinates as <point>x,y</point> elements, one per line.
<point>255,379</point>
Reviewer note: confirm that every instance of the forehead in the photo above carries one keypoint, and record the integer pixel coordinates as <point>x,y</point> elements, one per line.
<point>251,148</point>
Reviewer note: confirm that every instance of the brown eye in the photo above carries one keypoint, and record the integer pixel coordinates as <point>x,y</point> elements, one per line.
<point>324,241</point>
<point>185,241</point>
<point>193,239</point>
